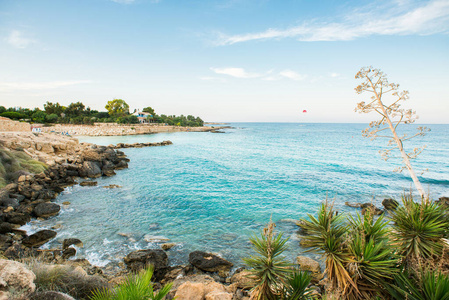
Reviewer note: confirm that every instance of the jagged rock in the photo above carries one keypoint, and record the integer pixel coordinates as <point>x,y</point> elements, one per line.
<point>39,238</point>
<point>307,264</point>
<point>390,204</point>
<point>190,291</point>
<point>140,259</point>
<point>18,218</point>
<point>122,164</point>
<point>210,263</point>
<point>90,169</point>
<point>46,210</point>
<point>244,280</point>
<point>15,279</point>
<point>71,241</point>
<point>88,183</point>
<point>68,252</point>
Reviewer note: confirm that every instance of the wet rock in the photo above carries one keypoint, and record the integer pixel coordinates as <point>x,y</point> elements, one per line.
<point>167,246</point>
<point>90,169</point>
<point>88,183</point>
<point>68,252</point>
<point>140,259</point>
<point>122,164</point>
<point>18,218</point>
<point>353,204</point>
<point>374,210</point>
<point>39,238</point>
<point>112,186</point>
<point>210,263</point>
<point>390,204</point>
<point>46,210</point>
<point>71,241</point>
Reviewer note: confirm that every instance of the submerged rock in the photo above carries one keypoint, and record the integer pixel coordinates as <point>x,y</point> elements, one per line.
<point>71,241</point>
<point>88,183</point>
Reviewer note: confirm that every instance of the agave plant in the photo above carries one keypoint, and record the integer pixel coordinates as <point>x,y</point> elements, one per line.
<point>269,268</point>
<point>326,235</point>
<point>136,287</point>
<point>297,287</point>
<point>419,229</point>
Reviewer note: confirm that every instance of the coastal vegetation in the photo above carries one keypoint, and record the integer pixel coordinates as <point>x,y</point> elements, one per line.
<point>78,113</point>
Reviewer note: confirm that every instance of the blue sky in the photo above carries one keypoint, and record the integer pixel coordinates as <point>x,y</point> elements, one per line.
<point>224,60</point>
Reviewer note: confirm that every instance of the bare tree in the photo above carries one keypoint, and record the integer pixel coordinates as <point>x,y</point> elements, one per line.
<point>376,82</point>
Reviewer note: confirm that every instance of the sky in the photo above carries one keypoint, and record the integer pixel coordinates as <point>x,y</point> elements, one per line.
<point>225,60</point>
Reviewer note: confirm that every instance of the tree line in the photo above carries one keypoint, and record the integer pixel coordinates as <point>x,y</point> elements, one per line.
<point>117,111</point>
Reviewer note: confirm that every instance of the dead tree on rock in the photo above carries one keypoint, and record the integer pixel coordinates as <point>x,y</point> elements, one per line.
<point>376,82</point>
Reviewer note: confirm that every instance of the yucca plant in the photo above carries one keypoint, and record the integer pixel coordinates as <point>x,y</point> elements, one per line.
<point>270,270</point>
<point>327,236</point>
<point>428,285</point>
<point>419,229</point>
<point>297,287</point>
<point>136,287</point>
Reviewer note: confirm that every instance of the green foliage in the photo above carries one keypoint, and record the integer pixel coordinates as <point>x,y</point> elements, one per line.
<point>13,115</point>
<point>131,119</point>
<point>39,116</point>
<point>297,287</point>
<point>269,268</point>
<point>149,110</point>
<point>75,110</point>
<point>419,229</point>
<point>2,109</point>
<point>181,120</point>
<point>53,108</point>
<point>136,287</point>
<point>117,107</point>
<point>51,118</point>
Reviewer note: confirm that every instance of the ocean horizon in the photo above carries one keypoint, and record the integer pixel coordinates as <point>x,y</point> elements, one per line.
<point>212,191</point>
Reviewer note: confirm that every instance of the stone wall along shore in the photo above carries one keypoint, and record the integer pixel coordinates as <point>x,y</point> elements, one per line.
<point>7,124</point>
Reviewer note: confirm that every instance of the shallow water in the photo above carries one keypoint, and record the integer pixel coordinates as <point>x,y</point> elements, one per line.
<point>212,191</point>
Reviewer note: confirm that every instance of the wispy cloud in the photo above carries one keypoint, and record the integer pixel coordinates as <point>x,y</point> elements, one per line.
<point>396,19</point>
<point>236,72</point>
<point>292,75</point>
<point>18,40</point>
<point>11,86</point>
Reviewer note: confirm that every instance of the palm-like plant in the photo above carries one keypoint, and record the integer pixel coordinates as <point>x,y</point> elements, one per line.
<point>269,268</point>
<point>419,229</point>
<point>297,287</point>
<point>136,287</point>
<point>327,235</point>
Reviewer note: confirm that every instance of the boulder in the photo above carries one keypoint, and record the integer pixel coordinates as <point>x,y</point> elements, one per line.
<point>69,252</point>
<point>244,280</point>
<point>88,183</point>
<point>210,263</point>
<point>376,211</point>
<point>46,209</point>
<point>122,164</point>
<point>16,279</point>
<point>307,264</point>
<point>90,169</point>
<point>39,238</point>
<point>140,259</point>
<point>167,246</point>
<point>390,204</point>
<point>6,227</point>
<point>219,296</point>
<point>18,218</point>
<point>190,291</point>
<point>71,241</point>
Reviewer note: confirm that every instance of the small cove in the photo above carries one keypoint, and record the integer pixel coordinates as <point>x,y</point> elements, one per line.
<point>211,192</point>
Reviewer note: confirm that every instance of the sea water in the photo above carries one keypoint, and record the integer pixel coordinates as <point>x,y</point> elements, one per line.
<point>213,191</point>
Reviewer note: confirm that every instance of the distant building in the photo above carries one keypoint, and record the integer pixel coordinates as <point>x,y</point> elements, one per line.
<point>142,116</point>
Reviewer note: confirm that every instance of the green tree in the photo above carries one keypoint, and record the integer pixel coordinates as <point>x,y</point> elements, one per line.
<point>376,83</point>
<point>51,118</point>
<point>117,107</point>
<point>53,108</point>
<point>39,116</point>
<point>149,110</point>
<point>75,110</point>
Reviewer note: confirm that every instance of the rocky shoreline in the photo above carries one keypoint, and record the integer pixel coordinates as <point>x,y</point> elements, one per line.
<point>30,196</point>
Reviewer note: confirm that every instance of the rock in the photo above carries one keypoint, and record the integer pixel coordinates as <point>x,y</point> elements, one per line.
<point>140,259</point>
<point>367,205</point>
<point>8,209</point>
<point>443,201</point>
<point>301,224</point>
<point>9,202</point>
<point>18,218</point>
<point>390,204</point>
<point>68,252</point>
<point>244,280</point>
<point>167,246</point>
<point>12,187</point>
<point>353,204</point>
<point>122,164</point>
<point>90,169</point>
<point>308,264</point>
<point>376,211</point>
<point>210,263</point>
<point>39,238</point>
<point>88,183</point>
<point>15,279</point>
<point>71,241</point>
<point>16,251</point>
<point>47,209</point>
<point>190,291</point>
<point>66,203</point>
<point>219,296</point>
<point>154,238</point>
<point>112,186</point>
<point>5,227</point>
<point>50,295</point>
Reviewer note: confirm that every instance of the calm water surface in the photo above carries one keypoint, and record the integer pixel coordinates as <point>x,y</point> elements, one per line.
<point>212,191</point>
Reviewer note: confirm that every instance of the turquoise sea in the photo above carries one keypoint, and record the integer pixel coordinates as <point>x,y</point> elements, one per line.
<point>211,191</point>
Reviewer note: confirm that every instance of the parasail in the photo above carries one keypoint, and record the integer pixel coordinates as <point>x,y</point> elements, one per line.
<point>304,111</point>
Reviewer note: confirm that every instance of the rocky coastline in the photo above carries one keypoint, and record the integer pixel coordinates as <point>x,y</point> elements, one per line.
<point>30,196</point>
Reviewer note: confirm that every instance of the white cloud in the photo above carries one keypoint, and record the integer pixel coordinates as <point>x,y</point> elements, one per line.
<point>334,75</point>
<point>292,75</point>
<point>10,86</point>
<point>16,39</point>
<point>236,72</point>
<point>429,18</point>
